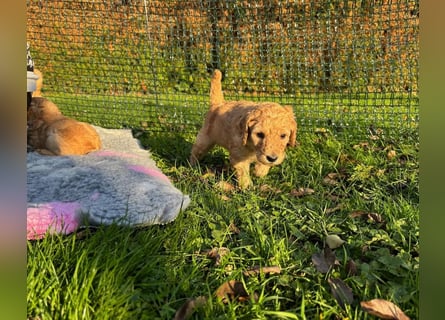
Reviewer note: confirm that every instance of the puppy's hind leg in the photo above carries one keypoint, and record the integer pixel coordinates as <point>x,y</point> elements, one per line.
<point>202,145</point>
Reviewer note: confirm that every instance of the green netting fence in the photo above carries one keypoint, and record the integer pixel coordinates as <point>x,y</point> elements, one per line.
<point>343,65</point>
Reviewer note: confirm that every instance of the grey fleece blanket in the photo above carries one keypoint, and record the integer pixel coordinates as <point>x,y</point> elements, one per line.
<point>118,184</point>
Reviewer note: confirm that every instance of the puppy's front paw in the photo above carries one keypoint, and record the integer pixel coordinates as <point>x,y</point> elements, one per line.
<point>244,182</point>
<point>47,152</point>
<point>242,174</point>
<point>261,170</point>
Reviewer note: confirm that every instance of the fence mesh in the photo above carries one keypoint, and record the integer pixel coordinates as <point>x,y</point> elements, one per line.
<point>343,65</point>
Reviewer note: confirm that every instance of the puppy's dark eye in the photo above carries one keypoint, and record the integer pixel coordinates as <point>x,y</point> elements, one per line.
<point>260,135</point>
<point>283,136</point>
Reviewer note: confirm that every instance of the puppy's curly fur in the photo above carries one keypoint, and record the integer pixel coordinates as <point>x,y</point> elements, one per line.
<point>252,132</point>
<point>51,133</point>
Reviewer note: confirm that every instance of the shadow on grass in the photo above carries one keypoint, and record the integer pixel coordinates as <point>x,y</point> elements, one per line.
<point>174,150</point>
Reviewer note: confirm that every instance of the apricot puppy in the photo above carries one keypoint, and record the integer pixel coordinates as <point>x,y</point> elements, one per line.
<point>252,132</point>
<point>51,133</point>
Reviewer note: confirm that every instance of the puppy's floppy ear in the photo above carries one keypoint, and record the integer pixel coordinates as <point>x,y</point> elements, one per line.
<point>248,120</point>
<point>292,126</point>
<point>293,136</point>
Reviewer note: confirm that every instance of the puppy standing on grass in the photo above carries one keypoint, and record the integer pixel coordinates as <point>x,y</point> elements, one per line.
<point>51,133</point>
<point>252,132</point>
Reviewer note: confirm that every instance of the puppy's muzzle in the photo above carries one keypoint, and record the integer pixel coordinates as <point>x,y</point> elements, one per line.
<point>271,159</point>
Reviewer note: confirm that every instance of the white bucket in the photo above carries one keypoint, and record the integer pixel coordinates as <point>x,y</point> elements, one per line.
<point>31,78</point>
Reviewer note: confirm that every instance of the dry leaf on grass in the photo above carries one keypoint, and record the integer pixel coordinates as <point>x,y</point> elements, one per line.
<point>233,228</point>
<point>217,253</point>
<point>383,309</point>
<point>230,290</point>
<point>187,308</point>
<point>223,197</point>
<point>257,270</point>
<point>361,145</point>
<point>334,241</point>
<point>323,261</point>
<point>225,186</point>
<point>341,292</point>
<point>375,217</point>
<point>351,268</point>
<point>336,208</point>
<point>301,192</point>
<point>331,179</point>
<point>391,154</point>
<point>346,158</point>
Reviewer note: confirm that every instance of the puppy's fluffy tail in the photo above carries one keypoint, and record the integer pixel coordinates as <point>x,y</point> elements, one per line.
<point>216,94</point>
<point>39,84</point>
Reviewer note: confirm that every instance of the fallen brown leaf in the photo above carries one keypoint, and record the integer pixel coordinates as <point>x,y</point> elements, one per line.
<point>217,253</point>
<point>265,270</point>
<point>391,154</point>
<point>324,261</point>
<point>225,186</point>
<point>223,197</point>
<point>230,290</point>
<point>331,179</point>
<point>346,158</point>
<point>188,307</point>
<point>301,192</point>
<point>383,309</point>
<point>361,145</point>
<point>341,292</point>
<point>380,173</point>
<point>375,217</point>
<point>233,228</point>
<point>351,268</point>
<point>336,208</point>
<point>358,213</point>
<point>162,119</point>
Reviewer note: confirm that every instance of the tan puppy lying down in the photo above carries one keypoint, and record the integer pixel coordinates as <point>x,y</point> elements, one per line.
<point>252,132</point>
<point>51,133</point>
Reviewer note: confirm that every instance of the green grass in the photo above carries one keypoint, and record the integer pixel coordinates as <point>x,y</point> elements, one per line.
<point>121,273</point>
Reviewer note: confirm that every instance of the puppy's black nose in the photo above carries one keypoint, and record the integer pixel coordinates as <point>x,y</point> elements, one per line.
<point>271,158</point>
